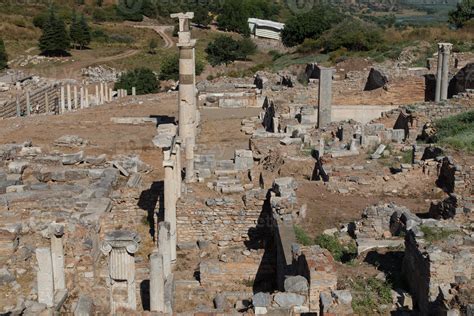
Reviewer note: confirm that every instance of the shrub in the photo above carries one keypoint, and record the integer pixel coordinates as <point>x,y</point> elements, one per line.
<point>3,55</point>
<point>354,35</point>
<point>339,252</point>
<point>143,79</point>
<point>302,237</point>
<point>432,234</point>
<point>369,294</point>
<point>457,131</point>
<point>246,48</point>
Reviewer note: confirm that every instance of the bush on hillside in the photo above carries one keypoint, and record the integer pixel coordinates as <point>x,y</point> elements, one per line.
<point>464,13</point>
<point>169,69</point>
<point>3,55</point>
<point>309,24</point>
<point>224,50</point>
<point>143,79</point>
<point>354,35</point>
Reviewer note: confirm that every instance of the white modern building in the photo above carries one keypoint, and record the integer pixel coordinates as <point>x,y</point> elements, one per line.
<point>265,29</point>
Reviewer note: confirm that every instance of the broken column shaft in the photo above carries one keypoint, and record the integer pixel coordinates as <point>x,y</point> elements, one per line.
<point>442,71</point>
<point>325,96</point>
<point>170,199</point>
<point>57,255</point>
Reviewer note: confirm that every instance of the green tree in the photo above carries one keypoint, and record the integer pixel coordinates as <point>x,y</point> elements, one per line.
<point>79,31</point>
<point>309,24</point>
<point>463,13</point>
<point>169,69</point>
<point>246,48</point>
<point>3,55</point>
<point>233,17</point>
<point>223,50</point>
<point>55,39</point>
<point>143,79</point>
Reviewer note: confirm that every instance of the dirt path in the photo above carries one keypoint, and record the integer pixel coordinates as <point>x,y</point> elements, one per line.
<point>161,30</point>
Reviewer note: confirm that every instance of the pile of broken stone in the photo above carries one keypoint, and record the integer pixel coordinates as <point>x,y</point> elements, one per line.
<point>39,188</point>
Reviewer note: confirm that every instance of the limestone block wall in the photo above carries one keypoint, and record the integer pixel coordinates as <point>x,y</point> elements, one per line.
<point>221,225</point>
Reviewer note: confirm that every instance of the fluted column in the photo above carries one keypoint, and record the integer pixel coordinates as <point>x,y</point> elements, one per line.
<point>57,255</point>
<point>120,247</point>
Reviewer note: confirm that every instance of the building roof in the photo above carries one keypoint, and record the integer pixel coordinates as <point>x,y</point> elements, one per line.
<point>267,23</point>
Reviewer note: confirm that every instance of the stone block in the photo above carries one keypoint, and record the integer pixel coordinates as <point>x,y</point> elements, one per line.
<point>288,300</point>
<point>296,284</point>
<point>84,307</point>
<point>72,159</point>
<point>261,299</point>
<point>17,166</point>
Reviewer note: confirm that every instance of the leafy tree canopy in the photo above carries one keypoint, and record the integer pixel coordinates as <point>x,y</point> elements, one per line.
<point>55,39</point>
<point>309,24</point>
<point>464,12</point>
<point>143,79</point>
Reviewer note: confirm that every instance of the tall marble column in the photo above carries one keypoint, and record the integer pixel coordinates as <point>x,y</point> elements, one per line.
<point>62,99</point>
<point>68,97</point>
<point>75,97</point>
<point>439,73</point>
<point>164,246</point>
<point>187,84</point>
<point>120,247</point>
<point>178,167</point>
<point>170,200</point>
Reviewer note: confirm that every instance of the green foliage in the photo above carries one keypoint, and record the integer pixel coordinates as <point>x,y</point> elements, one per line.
<point>79,31</point>
<point>143,79</point>
<point>55,40</point>
<point>224,50</point>
<point>369,294</point>
<point>464,12</point>
<point>352,34</point>
<point>169,69</point>
<point>152,45</point>
<point>302,237</point>
<point>384,21</point>
<point>3,55</point>
<point>339,252</point>
<point>106,13</point>
<point>457,131</point>
<point>309,24</point>
<point>407,156</point>
<point>40,20</point>
<point>432,234</point>
<point>246,48</point>
<point>233,14</point>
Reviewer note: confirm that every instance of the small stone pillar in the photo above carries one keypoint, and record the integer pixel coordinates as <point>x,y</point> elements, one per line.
<point>164,246</point>
<point>68,97</point>
<point>102,96</point>
<point>111,94</point>
<point>62,102</point>
<point>45,277</point>
<point>46,102</point>
<point>134,91</point>
<point>170,200</point>
<point>325,96</point>
<point>157,283</point>
<point>75,97</point>
<point>97,96</point>
<point>57,256</point>
<point>189,154</point>
<point>81,92</point>
<point>178,167</point>
<point>120,246</point>
<point>106,92</point>
<point>442,71</point>
<point>28,103</point>
<point>18,109</point>
<point>86,100</point>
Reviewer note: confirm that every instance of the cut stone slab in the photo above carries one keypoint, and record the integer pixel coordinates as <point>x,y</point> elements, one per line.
<point>288,299</point>
<point>17,166</point>
<point>70,141</point>
<point>84,307</point>
<point>134,181</point>
<point>296,284</point>
<point>121,169</point>
<point>366,244</point>
<point>134,120</point>
<point>290,141</point>
<point>344,153</point>
<point>99,206</point>
<point>72,159</point>
<point>261,299</point>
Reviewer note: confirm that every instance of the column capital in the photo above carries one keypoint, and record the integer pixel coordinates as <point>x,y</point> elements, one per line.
<point>56,230</point>
<point>445,47</point>
<point>120,239</point>
<point>183,20</point>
